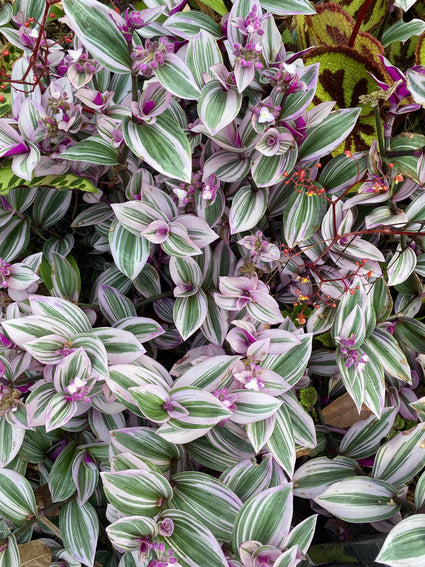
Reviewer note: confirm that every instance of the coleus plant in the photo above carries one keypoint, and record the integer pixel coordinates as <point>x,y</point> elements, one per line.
<point>195,261</point>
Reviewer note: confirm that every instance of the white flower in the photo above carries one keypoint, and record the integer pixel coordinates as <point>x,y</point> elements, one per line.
<point>265,115</point>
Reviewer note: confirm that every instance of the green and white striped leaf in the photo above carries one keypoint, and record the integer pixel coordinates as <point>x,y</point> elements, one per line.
<point>114,305</point>
<point>9,554</point>
<point>189,313</point>
<point>402,31</point>
<point>175,76</point>
<point>59,411</point>
<point>416,85</point>
<point>259,432</point>
<point>121,346</point>
<point>61,311</point>
<point>334,129</point>
<point>79,528</point>
<point>342,172</point>
<point>302,534</point>
<point>254,406</point>
<point>129,251</point>
<point>411,333</point>
<point>185,271</point>
<point>201,54</point>
<point>374,382</point>
<point>215,325</point>
<point>401,265</point>
<point>126,532</point>
<point>122,377</point>
<point>218,107</point>
<point>93,24</point>
<point>14,238</point>
<point>248,478</point>
<point>281,443</point>
<point>248,207</point>
<point>302,423</point>
<point>136,492</point>
<point>151,399</point>
<point>143,442</point>
<point>148,283</point>
<point>17,500</point>
<point>227,166</point>
<point>36,404</point>
<point>96,352</point>
<point>390,355</point>
<point>30,8</point>
<point>204,409</point>
<point>163,145</point>
<point>188,24</point>
<point>293,363</point>
<point>143,328</point>
<point>364,437</point>
<point>11,438</point>
<point>85,475</point>
<point>302,216</point>
<point>210,374</point>
<point>269,170</point>
<point>192,547</point>
<point>208,501</point>
<point>359,500</point>
<point>266,517</point>
<point>50,206</point>
<point>64,278</point>
<point>61,484</point>
<point>288,7</point>
<point>93,215</point>
<point>401,458</point>
<point>92,150</point>
<point>313,477</point>
<point>405,543</point>
<point>420,492</point>
<point>222,447</point>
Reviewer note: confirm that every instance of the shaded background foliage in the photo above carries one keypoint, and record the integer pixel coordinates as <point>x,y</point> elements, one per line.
<point>212,261</point>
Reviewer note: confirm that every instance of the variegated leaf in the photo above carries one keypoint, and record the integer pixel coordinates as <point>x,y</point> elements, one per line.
<point>248,207</point>
<point>162,144</point>
<point>93,23</point>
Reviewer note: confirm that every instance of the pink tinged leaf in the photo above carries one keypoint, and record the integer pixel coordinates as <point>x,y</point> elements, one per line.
<point>157,232</point>
<point>36,404</point>
<point>264,308</point>
<point>10,140</point>
<point>21,277</point>
<point>155,99</point>
<point>198,230</point>
<point>136,216</point>
<point>59,411</point>
<point>179,243</point>
<point>23,165</point>
<point>17,149</point>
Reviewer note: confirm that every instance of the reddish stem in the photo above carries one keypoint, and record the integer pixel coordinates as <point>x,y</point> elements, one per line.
<point>358,23</point>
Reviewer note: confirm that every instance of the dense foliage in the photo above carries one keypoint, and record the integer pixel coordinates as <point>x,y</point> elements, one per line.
<point>212,262</point>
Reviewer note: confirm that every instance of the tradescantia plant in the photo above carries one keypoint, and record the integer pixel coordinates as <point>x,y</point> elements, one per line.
<point>201,265</point>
